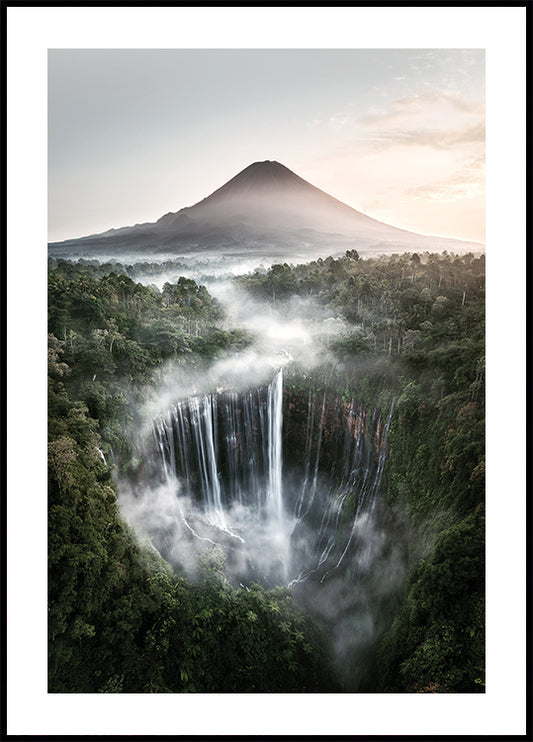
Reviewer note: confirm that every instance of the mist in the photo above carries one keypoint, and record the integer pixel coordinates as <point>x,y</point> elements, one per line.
<point>206,485</point>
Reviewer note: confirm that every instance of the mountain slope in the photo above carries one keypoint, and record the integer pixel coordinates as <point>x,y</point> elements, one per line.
<point>267,209</point>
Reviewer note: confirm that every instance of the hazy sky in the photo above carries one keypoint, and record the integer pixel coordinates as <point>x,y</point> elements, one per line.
<point>397,134</point>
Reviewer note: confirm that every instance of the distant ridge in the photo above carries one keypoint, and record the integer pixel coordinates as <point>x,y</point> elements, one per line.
<point>265,209</point>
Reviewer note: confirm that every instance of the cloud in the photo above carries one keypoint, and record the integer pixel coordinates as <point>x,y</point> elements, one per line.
<point>423,104</point>
<point>435,138</point>
<point>441,120</point>
<point>453,99</point>
<point>339,120</point>
<point>467,182</point>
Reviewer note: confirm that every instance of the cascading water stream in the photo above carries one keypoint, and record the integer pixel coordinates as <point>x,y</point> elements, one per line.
<point>221,454</point>
<point>275,420</point>
<point>363,461</point>
<point>367,498</point>
<point>221,457</point>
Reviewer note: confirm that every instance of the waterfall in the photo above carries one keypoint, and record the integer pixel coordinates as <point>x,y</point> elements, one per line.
<point>275,420</point>
<point>358,439</point>
<point>206,441</point>
<point>220,456</point>
<point>226,448</point>
<point>369,489</point>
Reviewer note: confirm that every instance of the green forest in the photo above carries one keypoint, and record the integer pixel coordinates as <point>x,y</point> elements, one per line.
<point>122,620</point>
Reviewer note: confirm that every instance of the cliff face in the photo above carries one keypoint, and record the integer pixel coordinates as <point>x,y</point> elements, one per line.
<point>321,426</point>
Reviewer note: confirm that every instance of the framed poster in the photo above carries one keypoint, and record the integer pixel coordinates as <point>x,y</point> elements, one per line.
<point>266,255</point>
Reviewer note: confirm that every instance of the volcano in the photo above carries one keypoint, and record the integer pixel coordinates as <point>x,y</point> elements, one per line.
<point>266,209</point>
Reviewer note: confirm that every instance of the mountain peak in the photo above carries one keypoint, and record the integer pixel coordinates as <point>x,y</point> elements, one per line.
<point>265,163</point>
<point>265,176</point>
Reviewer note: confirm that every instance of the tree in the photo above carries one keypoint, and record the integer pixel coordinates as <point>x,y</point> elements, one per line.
<point>352,255</point>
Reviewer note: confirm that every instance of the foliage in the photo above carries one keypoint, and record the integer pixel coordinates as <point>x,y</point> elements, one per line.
<point>110,333</point>
<point>437,642</point>
<point>120,620</point>
<point>215,638</point>
<point>415,337</point>
<point>98,606</point>
<point>397,305</point>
